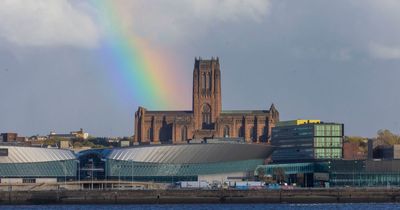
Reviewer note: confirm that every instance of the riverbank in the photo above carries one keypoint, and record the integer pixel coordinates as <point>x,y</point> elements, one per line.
<point>337,195</point>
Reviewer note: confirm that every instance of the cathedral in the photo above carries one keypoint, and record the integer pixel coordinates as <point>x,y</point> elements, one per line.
<point>206,119</point>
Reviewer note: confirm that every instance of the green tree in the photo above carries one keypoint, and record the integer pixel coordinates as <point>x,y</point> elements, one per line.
<point>77,145</point>
<point>387,137</point>
<point>362,142</point>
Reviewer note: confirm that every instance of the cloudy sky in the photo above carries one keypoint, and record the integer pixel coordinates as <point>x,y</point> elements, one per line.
<point>321,59</point>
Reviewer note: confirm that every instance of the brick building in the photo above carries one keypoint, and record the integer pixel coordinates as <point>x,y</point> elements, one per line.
<point>206,119</point>
<point>11,137</point>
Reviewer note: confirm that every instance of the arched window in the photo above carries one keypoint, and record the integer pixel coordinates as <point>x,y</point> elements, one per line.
<point>253,133</point>
<point>149,133</point>
<point>206,116</point>
<point>226,131</point>
<point>209,81</point>
<point>184,133</point>
<point>241,132</point>
<point>203,81</point>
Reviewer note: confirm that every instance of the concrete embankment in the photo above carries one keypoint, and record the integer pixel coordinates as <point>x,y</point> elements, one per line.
<point>352,195</point>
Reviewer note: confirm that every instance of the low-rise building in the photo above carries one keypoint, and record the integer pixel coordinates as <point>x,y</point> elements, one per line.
<point>34,165</point>
<point>11,137</point>
<point>72,135</point>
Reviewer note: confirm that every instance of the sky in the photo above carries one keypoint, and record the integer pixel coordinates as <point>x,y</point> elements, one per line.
<point>63,67</point>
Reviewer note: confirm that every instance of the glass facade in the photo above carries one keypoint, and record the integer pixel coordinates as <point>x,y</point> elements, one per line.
<point>328,153</point>
<point>328,130</point>
<point>306,142</point>
<point>63,168</point>
<point>340,173</point>
<point>165,172</point>
<point>364,179</point>
<point>328,142</point>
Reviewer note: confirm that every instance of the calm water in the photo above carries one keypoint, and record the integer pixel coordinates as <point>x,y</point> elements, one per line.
<point>214,206</point>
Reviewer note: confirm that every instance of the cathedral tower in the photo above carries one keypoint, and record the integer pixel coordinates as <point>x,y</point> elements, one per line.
<point>206,93</point>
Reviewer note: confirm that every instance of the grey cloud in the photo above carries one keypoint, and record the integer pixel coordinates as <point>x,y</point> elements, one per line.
<point>44,23</point>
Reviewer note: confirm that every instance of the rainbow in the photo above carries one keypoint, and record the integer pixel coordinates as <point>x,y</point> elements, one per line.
<point>138,69</point>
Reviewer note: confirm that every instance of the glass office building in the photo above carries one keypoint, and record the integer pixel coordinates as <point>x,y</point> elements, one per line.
<point>338,173</point>
<point>306,140</point>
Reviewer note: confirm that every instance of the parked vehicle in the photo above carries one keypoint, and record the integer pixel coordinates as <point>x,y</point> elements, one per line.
<point>194,185</point>
<point>246,185</point>
<point>274,186</point>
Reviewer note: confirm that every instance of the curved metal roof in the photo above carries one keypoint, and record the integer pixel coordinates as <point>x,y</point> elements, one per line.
<point>34,154</point>
<point>192,153</point>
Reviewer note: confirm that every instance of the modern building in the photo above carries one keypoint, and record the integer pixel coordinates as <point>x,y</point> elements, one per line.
<point>306,140</point>
<point>308,153</point>
<point>206,119</point>
<point>171,163</point>
<point>195,162</point>
<point>336,173</point>
<point>36,165</point>
<point>387,152</point>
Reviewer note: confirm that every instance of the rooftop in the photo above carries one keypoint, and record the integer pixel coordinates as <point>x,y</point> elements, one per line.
<point>245,112</point>
<point>170,112</point>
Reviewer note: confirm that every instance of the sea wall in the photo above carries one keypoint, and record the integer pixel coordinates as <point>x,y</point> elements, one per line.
<point>339,195</point>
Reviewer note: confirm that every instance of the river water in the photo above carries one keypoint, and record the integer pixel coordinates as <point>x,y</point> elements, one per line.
<point>363,206</point>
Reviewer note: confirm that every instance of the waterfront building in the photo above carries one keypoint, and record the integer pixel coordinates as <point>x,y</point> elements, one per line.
<point>307,140</point>
<point>206,119</point>
<point>336,173</point>
<point>20,165</point>
<point>387,152</point>
<point>171,163</point>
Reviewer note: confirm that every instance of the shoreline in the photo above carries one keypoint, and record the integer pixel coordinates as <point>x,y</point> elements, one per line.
<point>332,195</point>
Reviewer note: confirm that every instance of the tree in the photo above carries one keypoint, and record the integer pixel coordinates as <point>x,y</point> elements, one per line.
<point>77,145</point>
<point>261,173</point>
<point>362,142</point>
<point>279,174</point>
<point>387,137</point>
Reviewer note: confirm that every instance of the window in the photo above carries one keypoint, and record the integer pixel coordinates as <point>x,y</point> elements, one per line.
<point>241,132</point>
<point>203,81</point>
<point>206,116</point>
<point>253,133</point>
<point>149,134</point>
<point>226,131</point>
<point>28,180</point>
<point>209,81</point>
<point>184,133</point>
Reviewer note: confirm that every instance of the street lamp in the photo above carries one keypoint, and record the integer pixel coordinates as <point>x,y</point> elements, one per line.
<point>65,173</point>
<point>119,177</point>
<point>92,172</point>
<point>79,173</point>
<point>132,173</point>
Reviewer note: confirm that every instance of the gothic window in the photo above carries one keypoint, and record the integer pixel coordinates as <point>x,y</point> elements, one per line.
<point>253,133</point>
<point>241,132</point>
<point>226,131</point>
<point>206,116</point>
<point>203,81</point>
<point>184,133</point>
<point>149,133</point>
<point>265,133</point>
<point>209,81</point>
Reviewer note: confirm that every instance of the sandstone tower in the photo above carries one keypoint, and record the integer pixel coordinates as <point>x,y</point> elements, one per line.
<point>206,93</point>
